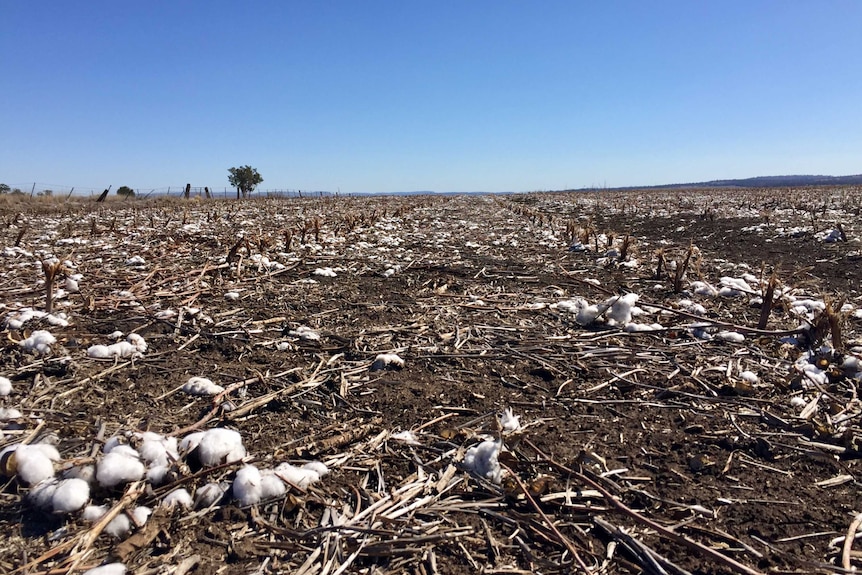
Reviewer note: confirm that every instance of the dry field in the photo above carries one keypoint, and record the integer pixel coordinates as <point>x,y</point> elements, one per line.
<point>639,382</point>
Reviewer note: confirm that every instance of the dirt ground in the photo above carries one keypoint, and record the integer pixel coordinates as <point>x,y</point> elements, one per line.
<point>640,452</point>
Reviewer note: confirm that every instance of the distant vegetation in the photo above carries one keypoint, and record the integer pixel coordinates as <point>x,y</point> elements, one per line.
<point>245,179</point>
<point>125,192</point>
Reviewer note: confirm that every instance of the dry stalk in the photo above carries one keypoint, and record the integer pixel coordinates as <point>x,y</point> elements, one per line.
<point>51,270</point>
<point>766,306</point>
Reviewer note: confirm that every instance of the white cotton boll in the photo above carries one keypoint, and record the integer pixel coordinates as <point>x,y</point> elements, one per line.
<point>304,333</point>
<point>283,346</point>
<point>271,486</point>
<point>39,341</point>
<point>832,236</point>
<point>156,449</point>
<point>209,494</point>
<point>120,349</point>
<point>302,477</point>
<point>166,314</point>
<point>385,360</point>
<point>93,513</point>
<point>749,376</point>
<point>42,494</point>
<point>481,459</point>
<point>587,314</point>
<point>85,472</point>
<point>201,386</point>
<point>703,288</point>
<point>98,351</point>
<point>405,436</point>
<point>109,569</point>
<point>71,285</point>
<point>7,413</point>
<point>70,495</point>
<point>176,497</point>
<point>510,422</point>
<point>325,272</point>
<point>135,261</point>
<point>115,335</point>
<point>141,513</point>
<point>701,333</point>
<point>137,341</point>
<point>247,485</point>
<point>798,401</point>
<point>113,442</point>
<point>317,466</point>
<point>641,327</point>
<point>119,527</point>
<point>219,445</point>
<point>117,467</point>
<point>156,474</point>
<point>34,464</point>
<point>190,442</point>
<point>619,309</point>
<point>126,450</point>
<point>730,336</point>
<point>5,386</point>
<point>231,296</point>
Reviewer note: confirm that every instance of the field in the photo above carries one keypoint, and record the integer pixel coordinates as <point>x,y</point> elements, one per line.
<point>608,382</point>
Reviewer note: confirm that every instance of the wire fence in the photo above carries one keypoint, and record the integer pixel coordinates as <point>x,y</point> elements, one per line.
<point>37,189</point>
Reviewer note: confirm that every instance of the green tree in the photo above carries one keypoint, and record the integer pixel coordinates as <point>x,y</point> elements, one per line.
<point>245,179</point>
<point>126,192</point>
<point>5,189</point>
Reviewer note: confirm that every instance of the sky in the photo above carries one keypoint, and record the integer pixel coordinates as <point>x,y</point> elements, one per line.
<point>447,96</point>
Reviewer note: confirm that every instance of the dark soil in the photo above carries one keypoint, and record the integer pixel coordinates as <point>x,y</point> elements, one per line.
<point>659,420</point>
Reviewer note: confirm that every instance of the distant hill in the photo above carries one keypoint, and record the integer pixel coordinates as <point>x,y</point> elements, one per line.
<point>770,182</point>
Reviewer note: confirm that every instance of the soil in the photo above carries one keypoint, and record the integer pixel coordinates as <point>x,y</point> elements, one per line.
<point>463,290</point>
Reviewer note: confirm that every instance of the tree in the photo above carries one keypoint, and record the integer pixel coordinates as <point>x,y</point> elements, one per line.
<point>126,192</point>
<point>245,179</point>
<point>5,189</point>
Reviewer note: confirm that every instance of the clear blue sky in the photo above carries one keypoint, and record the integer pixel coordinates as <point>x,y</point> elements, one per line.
<point>372,96</point>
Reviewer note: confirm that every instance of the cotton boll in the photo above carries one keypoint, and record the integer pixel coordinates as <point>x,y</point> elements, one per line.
<point>109,569</point>
<point>317,466</point>
<point>247,485</point>
<point>481,459</point>
<point>5,386</point>
<point>137,341</point>
<point>7,413</point>
<point>385,360</point>
<point>70,495</point>
<point>155,449</point>
<point>209,494</point>
<point>42,494</point>
<point>201,386</point>
<point>231,296</point>
<point>71,285</point>
<point>749,376</point>
<point>176,497</point>
<point>98,351</point>
<point>731,336</point>
<point>126,450</point>
<point>119,527</point>
<point>39,341</point>
<point>302,477</point>
<point>156,474</point>
<point>115,335</point>
<point>304,333</point>
<point>117,467</point>
<point>620,308</point>
<point>111,443</point>
<point>325,272</point>
<point>406,436</point>
<point>271,486</point>
<point>141,513</point>
<point>93,513</point>
<point>219,445</point>
<point>703,288</point>
<point>510,422</point>
<point>34,464</point>
<point>85,472</point>
<point>190,442</point>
